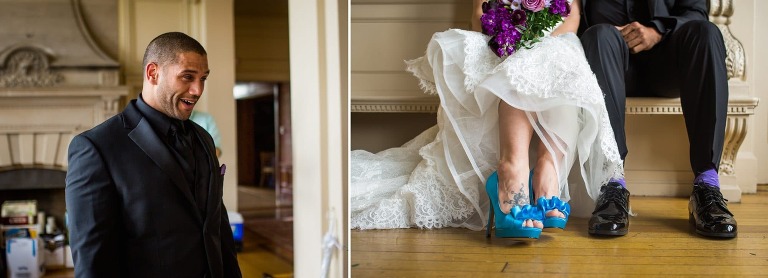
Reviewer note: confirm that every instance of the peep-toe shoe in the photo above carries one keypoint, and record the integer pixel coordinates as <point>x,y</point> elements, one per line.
<point>510,225</point>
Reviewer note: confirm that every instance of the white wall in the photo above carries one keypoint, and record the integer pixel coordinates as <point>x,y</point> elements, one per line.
<point>217,34</point>
<point>262,41</point>
<point>748,25</point>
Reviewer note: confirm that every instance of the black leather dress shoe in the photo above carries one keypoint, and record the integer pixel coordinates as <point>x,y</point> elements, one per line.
<point>611,215</point>
<point>708,213</point>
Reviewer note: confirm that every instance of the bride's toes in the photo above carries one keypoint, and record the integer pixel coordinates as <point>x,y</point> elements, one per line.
<point>533,224</point>
<point>527,223</point>
<point>555,213</point>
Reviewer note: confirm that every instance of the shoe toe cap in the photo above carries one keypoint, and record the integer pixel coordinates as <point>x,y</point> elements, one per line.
<point>609,226</point>
<point>721,228</point>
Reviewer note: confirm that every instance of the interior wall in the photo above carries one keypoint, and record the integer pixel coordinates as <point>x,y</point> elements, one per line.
<point>748,25</point>
<point>261,42</point>
<point>217,35</point>
<point>102,28</point>
<point>375,132</point>
<point>742,27</point>
<point>760,67</point>
<point>383,35</point>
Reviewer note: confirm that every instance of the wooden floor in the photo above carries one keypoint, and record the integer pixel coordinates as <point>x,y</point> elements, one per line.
<point>659,243</point>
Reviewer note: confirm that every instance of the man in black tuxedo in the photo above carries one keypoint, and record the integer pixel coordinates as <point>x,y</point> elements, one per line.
<point>664,48</point>
<point>144,188</point>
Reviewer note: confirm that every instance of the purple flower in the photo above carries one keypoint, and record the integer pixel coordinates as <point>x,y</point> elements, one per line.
<point>488,23</point>
<point>560,7</point>
<point>518,17</point>
<point>512,4</point>
<point>504,42</point>
<point>533,5</point>
<point>507,21</point>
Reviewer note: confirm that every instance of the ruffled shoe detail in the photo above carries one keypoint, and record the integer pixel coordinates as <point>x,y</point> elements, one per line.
<point>554,223</point>
<point>527,212</point>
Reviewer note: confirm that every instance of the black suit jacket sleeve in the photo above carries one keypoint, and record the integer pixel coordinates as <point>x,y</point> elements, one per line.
<point>91,201</point>
<point>228,252</point>
<point>670,18</point>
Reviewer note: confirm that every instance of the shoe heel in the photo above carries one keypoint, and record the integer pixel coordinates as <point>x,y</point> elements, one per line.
<point>691,221</point>
<point>490,220</point>
<point>531,196</point>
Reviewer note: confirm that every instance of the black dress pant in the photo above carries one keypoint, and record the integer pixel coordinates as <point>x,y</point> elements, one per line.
<point>689,63</point>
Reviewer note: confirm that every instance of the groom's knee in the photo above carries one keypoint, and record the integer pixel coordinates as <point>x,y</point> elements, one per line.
<point>603,37</point>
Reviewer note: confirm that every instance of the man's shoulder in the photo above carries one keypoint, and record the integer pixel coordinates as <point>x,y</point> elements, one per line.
<point>116,125</point>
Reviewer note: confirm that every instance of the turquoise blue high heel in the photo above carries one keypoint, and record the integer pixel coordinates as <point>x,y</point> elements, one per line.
<point>551,223</point>
<point>510,225</point>
<point>554,223</point>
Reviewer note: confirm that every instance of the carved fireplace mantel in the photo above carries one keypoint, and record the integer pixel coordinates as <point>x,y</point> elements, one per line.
<point>37,124</point>
<point>55,82</point>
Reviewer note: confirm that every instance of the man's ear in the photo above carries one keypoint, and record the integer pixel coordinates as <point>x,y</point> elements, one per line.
<point>151,73</point>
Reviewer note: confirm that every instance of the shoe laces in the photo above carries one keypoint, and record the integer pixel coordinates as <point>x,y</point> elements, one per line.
<point>710,195</point>
<point>614,194</point>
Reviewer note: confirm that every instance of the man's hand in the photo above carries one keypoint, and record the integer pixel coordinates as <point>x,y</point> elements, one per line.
<point>639,37</point>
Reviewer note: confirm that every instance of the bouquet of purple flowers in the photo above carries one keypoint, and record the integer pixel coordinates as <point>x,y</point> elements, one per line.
<point>513,24</point>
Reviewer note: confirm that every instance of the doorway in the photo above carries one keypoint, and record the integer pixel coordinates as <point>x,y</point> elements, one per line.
<point>263,117</point>
<point>264,159</point>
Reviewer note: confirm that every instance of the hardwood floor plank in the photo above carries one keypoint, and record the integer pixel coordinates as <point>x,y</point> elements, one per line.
<point>582,252</point>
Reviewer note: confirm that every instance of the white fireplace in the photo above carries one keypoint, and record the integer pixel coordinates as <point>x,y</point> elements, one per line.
<point>55,82</point>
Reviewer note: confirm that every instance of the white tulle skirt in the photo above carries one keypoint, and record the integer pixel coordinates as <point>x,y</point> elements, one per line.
<point>437,179</point>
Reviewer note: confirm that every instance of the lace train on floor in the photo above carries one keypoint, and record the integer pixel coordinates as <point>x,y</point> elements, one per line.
<point>437,179</point>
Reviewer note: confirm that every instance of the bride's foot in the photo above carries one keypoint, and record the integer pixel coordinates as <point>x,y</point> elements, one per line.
<point>546,188</point>
<point>513,190</point>
<point>520,223</point>
<point>546,185</point>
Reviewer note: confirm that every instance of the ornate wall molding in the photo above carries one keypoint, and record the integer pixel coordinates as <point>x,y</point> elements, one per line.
<point>425,104</point>
<point>27,66</point>
<point>737,105</point>
<point>735,132</point>
<point>395,108</point>
<point>720,12</point>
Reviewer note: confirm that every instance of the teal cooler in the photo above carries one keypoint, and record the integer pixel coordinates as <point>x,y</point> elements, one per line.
<point>236,223</point>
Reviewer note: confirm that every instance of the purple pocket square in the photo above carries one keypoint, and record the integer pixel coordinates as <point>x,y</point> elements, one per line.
<point>223,169</point>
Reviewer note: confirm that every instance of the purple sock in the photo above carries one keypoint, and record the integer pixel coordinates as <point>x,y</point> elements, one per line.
<point>619,181</point>
<point>708,177</point>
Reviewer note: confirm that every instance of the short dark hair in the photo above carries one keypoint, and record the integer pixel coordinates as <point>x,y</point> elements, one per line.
<point>165,48</point>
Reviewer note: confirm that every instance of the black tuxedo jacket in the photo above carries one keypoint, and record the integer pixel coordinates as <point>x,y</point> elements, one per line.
<point>131,212</point>
<point>666,15</point>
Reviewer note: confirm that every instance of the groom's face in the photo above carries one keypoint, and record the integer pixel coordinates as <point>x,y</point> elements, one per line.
<point>180,84</point>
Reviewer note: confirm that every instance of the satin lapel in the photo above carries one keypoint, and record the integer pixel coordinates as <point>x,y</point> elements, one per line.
<point>144,136</point>
<point>212,166</point>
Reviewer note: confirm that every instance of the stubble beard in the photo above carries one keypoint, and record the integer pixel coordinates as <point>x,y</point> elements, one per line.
<point>169,104</point>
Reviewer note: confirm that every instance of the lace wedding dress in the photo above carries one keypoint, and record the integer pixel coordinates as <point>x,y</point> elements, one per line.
<point>437,179</point>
